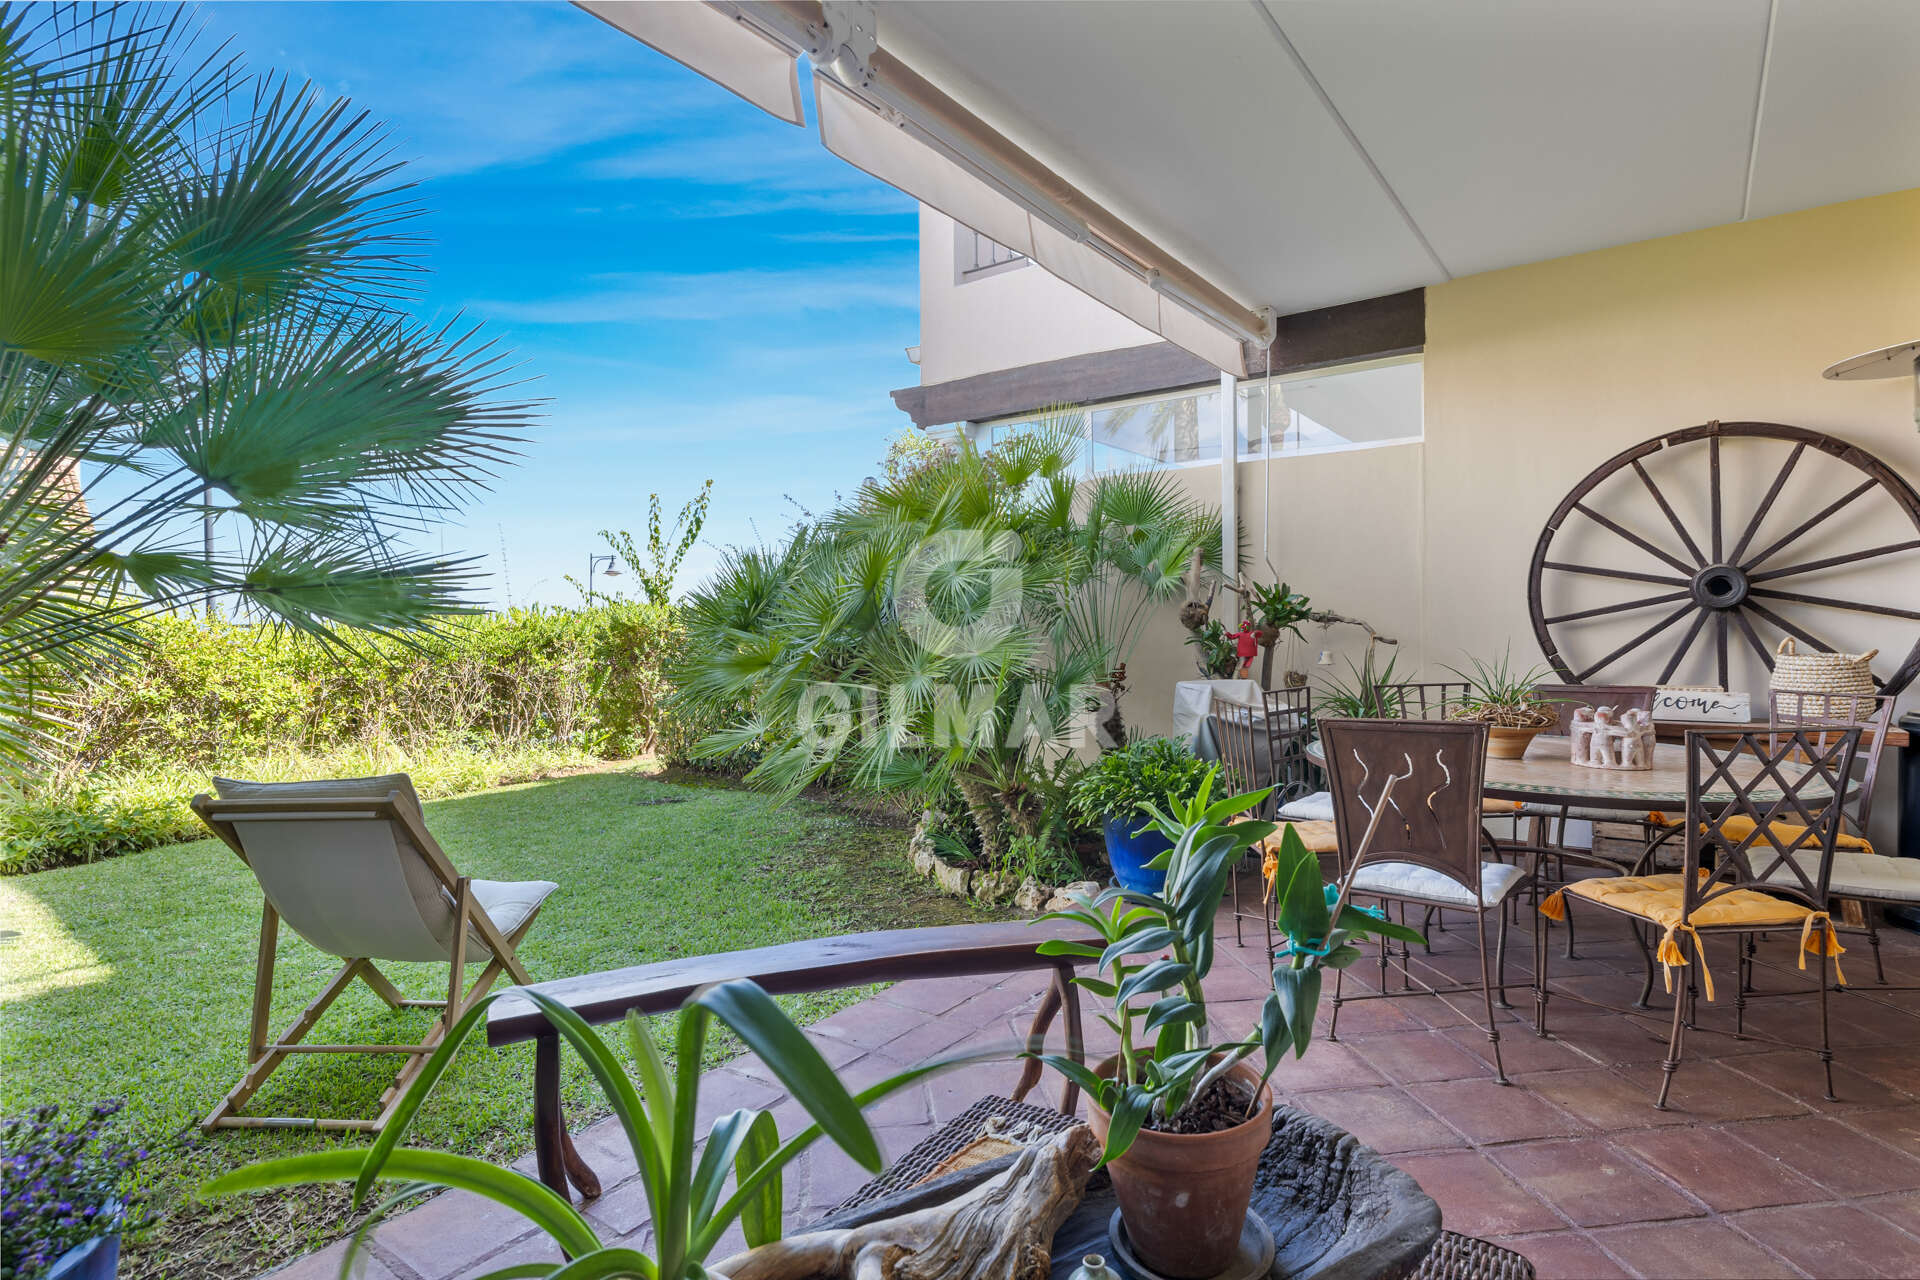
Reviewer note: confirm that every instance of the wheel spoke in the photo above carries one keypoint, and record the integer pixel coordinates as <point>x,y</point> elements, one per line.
<point>1713,474</point>
<point>1632,537</point>
<point>1625,606</point>
<point>1850,557</point>
<point>1720,646</point>
<point>1628,574</point>
<point>1856,606</point>
<point>1680,651</point>
<point>1865,486</point>
<point>1746,629</point>
<point>1666,509</point>
<point>1766,503</point>
<point>1633,644</point>
<point>1793,629</point>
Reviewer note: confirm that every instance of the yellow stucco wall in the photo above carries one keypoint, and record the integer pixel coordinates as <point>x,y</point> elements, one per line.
<point>1537,374</point>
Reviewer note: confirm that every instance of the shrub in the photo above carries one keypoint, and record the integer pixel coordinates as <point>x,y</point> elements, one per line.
<point>67,1182</point>
<point>1146,771</point>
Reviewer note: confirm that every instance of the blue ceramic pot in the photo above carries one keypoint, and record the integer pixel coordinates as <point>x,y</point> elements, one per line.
<point>1129,853</point>
<point>97,1259</point>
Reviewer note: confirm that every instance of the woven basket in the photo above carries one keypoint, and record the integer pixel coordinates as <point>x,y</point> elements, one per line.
<point>1832,674</point>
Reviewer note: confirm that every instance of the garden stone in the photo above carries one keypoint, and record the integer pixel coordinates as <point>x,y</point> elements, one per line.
<point>950,878</point>
<point>1063,900</point>
<point>920,847</point>
<point>994,887</point>
<point>1032,895</point>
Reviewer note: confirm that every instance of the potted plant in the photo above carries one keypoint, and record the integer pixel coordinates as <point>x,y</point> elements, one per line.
<point>1218,658</point>
<point>1183,1119</point>
<point>686,1189</point>
<point>1505,702</point>
<point>1116,792</point>
<point>1279,610</point>
<point>1369,697</point>
<point>63,1199</point>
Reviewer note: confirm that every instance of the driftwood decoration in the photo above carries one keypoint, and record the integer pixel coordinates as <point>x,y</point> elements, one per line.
<point>1001,1230</point>
<point>1195,612</point>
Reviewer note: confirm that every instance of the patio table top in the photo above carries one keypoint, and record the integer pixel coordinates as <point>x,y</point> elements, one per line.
<point>1547,773</point>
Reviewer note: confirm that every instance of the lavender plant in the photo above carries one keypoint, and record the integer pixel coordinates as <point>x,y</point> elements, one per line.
<point>66,1181</point>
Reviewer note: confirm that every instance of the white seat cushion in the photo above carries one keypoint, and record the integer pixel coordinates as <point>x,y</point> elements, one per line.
<point>1409,880</point>
<point>1317,807</point>
<point>507,903</point>
<point>1862,875</point>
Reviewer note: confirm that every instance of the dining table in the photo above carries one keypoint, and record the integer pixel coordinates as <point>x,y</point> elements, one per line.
<point>1546,775</point>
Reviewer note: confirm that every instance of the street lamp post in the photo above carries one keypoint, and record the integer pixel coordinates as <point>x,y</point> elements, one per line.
<point>593,562</point>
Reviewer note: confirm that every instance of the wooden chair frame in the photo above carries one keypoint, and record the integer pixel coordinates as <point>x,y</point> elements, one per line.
<point>266,1054</point>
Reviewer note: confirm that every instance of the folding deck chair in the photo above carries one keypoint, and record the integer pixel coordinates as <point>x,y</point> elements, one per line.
<point>349,864</point>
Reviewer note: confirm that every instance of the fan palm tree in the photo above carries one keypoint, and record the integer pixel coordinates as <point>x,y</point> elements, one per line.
<point>209,386</point>
<point>955,625</point>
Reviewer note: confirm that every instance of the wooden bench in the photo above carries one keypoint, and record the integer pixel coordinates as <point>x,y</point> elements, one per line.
<point>821,964</point>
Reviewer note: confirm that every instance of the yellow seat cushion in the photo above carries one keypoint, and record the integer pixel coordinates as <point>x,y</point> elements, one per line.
<point>1660,899</point>
<point>1499,808</point>
<point>1740,826</point>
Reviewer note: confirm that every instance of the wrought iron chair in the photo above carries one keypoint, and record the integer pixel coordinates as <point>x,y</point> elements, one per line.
<point>1422,699</point>
<point>1289,725</point>
<point>1859,873</point>
<point>1249,751</point>
<point>1756,862</point>
<point>1428,850</point>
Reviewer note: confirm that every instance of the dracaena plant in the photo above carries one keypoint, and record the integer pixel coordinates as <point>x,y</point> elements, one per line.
<point>691,1202</point>
<point>1160,948</point>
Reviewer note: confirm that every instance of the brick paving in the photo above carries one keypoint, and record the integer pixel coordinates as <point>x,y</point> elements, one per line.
<point>1751,1173</point>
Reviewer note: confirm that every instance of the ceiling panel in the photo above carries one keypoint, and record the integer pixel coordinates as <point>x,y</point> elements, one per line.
<point>1515,132</point>
<point>1842,113</point>
<point>1186,119</point>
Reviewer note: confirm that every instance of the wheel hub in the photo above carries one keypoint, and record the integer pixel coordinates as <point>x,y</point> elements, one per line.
<point>1720,586</point>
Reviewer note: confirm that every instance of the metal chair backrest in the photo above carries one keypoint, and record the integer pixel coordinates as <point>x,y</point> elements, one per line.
<point>344,862</point>
<point>1240,733</point>
<point>1289,728</point>
<point>1422,699</point>
<point>1822,715</point>
<point>1432,819</point>
<point>1793,778</point>
<point>1567,699</point>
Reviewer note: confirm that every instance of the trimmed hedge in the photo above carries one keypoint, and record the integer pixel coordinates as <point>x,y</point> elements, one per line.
<point>493,698</point>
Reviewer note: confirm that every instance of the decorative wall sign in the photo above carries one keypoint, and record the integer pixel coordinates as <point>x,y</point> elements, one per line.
<point>1708,706</point>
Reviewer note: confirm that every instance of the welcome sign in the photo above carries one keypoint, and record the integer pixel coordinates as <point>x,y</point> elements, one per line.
<point>1707,706</point>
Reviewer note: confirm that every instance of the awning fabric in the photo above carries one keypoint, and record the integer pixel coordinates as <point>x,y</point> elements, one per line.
<point>733,54</point>
<point>867,140</point>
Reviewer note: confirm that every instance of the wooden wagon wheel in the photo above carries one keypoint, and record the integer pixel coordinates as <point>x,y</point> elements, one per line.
<point>1715,578</point>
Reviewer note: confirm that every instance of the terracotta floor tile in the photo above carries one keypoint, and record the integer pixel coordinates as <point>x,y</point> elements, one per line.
<point>1410,1056</point>
<point>1899,1127</point>
<point>1799,1075</point>
<point>1834,1240</point>
<point>1606,1099</point>
<point>1608,1037</point>
<point>1387,1119</point>
<point>1521,1050</point>
<point>1710,1092</point>
<point>1487,1111</point>
<point>1476,1197</point>
<point>1564,1255</point>
<point>871,1023</point>
<point>1699,1250</point>
<point>1846,1162</point>
<point>1719,1168</point>
<point>1896,1066</point>
<point>1328,1064</point>
<point>1594,1183</point>
<point>1901,1210</point>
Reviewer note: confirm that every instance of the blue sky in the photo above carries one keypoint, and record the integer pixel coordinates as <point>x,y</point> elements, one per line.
<point>700,290</point>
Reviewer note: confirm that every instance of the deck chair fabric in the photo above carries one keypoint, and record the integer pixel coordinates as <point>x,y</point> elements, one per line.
<point>358,876</point>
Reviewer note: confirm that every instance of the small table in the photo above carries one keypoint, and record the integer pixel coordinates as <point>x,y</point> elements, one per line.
<point>1546,775</point>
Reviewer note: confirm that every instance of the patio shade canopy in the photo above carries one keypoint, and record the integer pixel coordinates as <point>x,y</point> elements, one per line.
<point>1202,167</point>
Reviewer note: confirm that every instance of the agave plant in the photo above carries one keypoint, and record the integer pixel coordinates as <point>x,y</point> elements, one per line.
<point>689,1198</point>
<point>209,389</point>
<point>953,626</point>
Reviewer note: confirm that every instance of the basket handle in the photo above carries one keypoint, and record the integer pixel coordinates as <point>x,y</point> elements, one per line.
<point>1786,646</point>
<point>1868,655</point>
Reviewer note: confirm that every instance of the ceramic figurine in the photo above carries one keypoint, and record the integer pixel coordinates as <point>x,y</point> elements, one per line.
<point>1599,741</point>
<point>1246,646</point>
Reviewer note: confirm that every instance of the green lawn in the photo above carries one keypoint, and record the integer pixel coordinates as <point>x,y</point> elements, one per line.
<point>132,977</point>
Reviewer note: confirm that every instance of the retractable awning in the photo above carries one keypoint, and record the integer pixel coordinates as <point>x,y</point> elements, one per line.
<point>733,54</point>
<point>1202,167</point>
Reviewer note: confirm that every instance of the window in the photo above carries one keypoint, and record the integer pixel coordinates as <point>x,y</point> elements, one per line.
<point>975,256</point>
<point>1345,408</point>
<point>1351,407</point>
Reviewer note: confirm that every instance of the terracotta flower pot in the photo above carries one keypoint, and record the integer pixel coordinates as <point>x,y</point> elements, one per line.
<point>1184,1196</point>
<point>1506,743</point>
